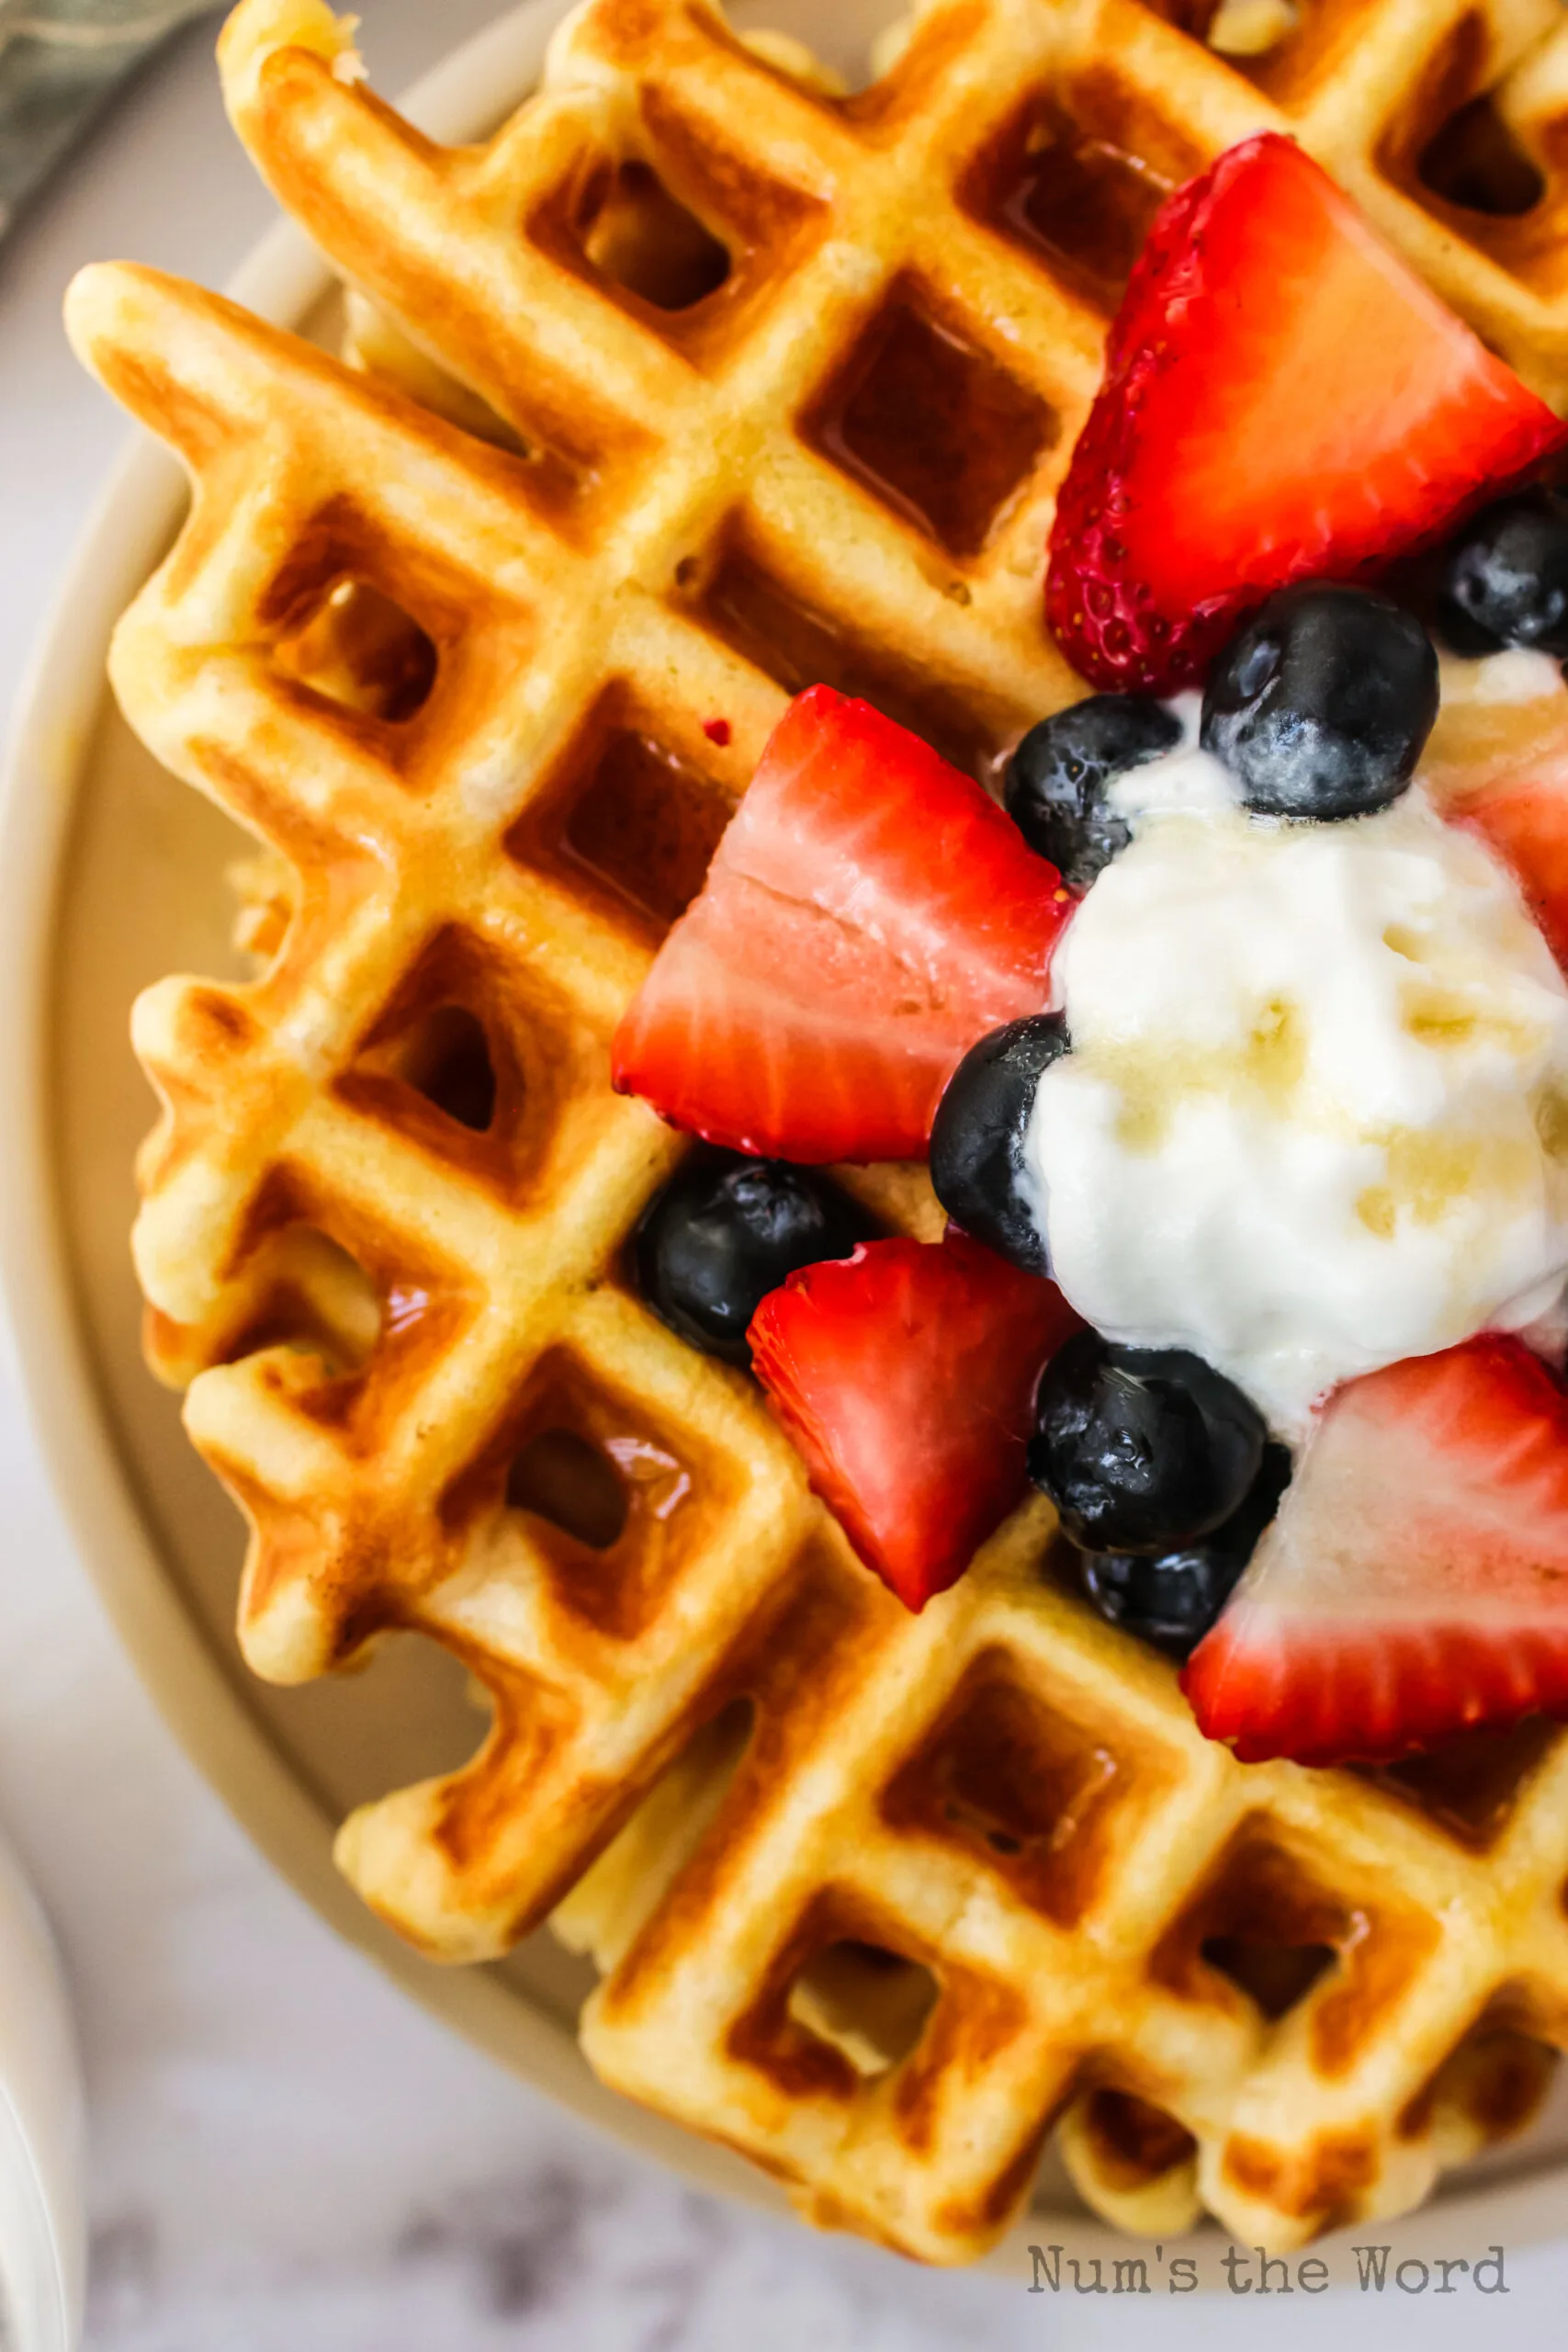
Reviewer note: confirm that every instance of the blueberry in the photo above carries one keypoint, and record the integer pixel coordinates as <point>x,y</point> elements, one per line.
<point>976,1157</point>
<point>1054,787</point>
<point>724,1231</point>
<point>1322,702</point>
<point>1172,1600</point>
<point>1505,582</point>
<point>1142,1450</point>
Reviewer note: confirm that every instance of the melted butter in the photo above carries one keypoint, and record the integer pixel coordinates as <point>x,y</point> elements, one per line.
<point>1447,1019</point>
<point>1151,1079</point>
<point>1429,1170</point>
<point>1274,1062</point>
<point>1550,1109</point>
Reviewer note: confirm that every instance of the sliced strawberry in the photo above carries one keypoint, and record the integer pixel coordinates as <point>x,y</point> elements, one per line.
<point>1525,818</point>
<point>1513,790</point>
<point>1500,768</point>
<point>869,914</point>
<point>1283,399</point>
<point>1417,1578</point>
<point>905,1374</point>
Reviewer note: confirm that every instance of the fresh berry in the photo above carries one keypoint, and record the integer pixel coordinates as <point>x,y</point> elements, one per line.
<point>1283,399</point>
<point>978,1170</point>
<point>1171,1601</point>
<point>1417,1578</point>
<point>1142,1449</point>
<point>1525,818</point>
<point>906,1375</point>
<point>1321,703</point>
<point>1501,770</point>
<point>870,912</point>
<point>1505,582</point>
<point>1055,790</point>
<point>724,1231</point>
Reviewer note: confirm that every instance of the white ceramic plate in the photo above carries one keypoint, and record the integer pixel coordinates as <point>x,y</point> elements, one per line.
<point>110,875</point>
<point>42,2231</point>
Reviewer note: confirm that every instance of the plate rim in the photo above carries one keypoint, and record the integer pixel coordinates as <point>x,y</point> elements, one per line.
<point>49,741</point>
<point>43,2223</point>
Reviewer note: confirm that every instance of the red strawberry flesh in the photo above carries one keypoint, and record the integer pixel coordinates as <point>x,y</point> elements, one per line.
<point>1415,1582</point>
<point>1514,792</point>
<point>869,914</point>
<point>1283,399</point>
<point>906,1375</point>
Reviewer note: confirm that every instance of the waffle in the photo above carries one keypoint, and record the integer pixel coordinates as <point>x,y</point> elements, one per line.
<point>699,381</point>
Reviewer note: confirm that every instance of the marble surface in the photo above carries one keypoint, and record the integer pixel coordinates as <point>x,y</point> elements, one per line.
<point>285,2154</point>
<point>60,61</point>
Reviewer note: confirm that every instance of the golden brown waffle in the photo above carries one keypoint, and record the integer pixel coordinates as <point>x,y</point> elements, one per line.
<point>775,386</point>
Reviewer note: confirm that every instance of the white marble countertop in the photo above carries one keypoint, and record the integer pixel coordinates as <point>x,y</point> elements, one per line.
<point>285,2153</point>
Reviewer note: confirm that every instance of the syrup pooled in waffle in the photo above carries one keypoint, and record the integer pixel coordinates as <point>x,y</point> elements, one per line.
<point>696,382</point>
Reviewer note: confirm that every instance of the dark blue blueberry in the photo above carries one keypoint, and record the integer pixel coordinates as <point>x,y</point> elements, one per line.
<point>725,1231</point>
<point>1171,1601</point>
<point>976,1155</point>
<point>1321,703</point>
<point>1055,783</point>
<point>1506,581</point>
<point>1143,1450</point>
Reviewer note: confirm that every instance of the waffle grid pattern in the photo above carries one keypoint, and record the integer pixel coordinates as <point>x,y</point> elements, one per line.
<point>675,511</point>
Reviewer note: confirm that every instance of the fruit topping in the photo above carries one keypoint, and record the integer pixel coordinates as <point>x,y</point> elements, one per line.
<point>1283,401</point>
<point>979,1170</point>
<point>1498,767</point>
<point>906,1376</point>
<point>1525,818</point>
<point>1505,582</point>
<point>1415,1580</point>
<point>1321,703</point>
<point>1055,785</point>
<point>1172,1600</point>
<point>869,913</point>
<point>725,1231</point>
<point>1312,1120</point>
<point>1142,1450</point>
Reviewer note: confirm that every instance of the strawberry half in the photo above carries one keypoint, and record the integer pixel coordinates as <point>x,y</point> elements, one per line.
<point>906,1375</point>
<point>1415,1580</point>
<point>1525,818</point>
<point>1500,769</point>
<point>1522,811</point>
<point>1283,399</point>
<point>869,914</point>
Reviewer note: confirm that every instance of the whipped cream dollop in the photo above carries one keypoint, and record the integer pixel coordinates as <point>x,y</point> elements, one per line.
<point>1315,1115</point>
